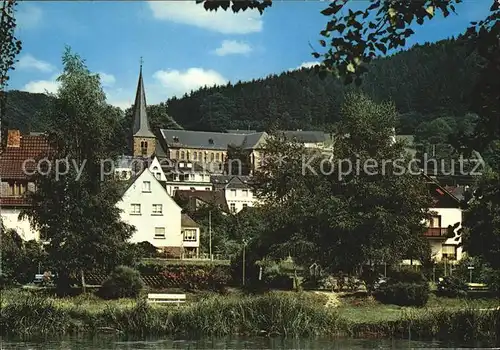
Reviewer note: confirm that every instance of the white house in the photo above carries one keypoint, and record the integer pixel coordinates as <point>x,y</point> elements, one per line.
<point>184,175</point>
<point>157,217</point>
<point>446,212</point>
<point>238,191</point>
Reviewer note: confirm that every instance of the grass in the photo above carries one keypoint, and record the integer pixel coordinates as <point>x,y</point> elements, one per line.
<point>293,314</point>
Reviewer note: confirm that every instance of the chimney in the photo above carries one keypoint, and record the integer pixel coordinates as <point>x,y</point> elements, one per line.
<point>14,138</point>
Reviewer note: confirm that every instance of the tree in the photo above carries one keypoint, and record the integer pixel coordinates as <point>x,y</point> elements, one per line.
<point>342,218</point>
<point>482,219</point>
<point>352,39</point>
<point>73,206</point>
<point>10,47</point>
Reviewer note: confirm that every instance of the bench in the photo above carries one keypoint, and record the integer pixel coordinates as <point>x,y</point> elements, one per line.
<point>167,298</point>
<point>477,286</point>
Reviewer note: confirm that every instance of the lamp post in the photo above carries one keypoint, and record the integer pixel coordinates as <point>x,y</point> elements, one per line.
<point>244,265</point>
<point>210,234</point>
<point>470,268</point>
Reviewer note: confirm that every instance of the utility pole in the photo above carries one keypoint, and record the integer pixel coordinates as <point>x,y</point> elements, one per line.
<point>210,234</point>
<point>244,265</point>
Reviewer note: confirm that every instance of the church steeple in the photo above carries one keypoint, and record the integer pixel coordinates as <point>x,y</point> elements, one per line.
<point>141,123</point>
<point>143,138</point>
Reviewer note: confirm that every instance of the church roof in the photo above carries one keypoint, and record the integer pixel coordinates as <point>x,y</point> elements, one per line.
<point>210,140</point>
<point>141,123</point>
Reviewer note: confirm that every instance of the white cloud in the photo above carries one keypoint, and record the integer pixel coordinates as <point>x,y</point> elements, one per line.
<point>107,79</point>
<point>307,65</point>
<point>177,82</point>
<point>29,62</point>
<point>42,86</point>
<point>28,16</point>
<point>190,13</point>
<point>233,47</point>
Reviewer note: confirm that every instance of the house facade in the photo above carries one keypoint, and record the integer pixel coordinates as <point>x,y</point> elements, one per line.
<point>157,218</point>
<point>237,191</point>
<point>445,212</point>
<point>17,163</point>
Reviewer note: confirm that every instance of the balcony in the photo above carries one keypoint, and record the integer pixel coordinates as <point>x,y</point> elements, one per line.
<point>436,232</point>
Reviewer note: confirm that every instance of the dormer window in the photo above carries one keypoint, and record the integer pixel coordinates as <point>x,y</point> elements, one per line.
<point>210,141</point>
<point>176,139</point>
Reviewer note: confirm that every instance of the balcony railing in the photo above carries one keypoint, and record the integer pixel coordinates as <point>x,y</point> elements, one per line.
<point>436,232</point>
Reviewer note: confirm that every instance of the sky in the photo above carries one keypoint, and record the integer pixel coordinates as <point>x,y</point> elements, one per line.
<point>183,47</point>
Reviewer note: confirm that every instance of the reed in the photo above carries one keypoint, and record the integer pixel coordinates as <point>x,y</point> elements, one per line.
<point>284,314</point>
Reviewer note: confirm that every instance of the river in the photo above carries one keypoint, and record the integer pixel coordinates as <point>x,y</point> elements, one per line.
<point>105,342</point>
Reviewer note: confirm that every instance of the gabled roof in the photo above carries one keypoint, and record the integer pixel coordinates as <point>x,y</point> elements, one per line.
<point>31,149</point>
<point>215,198</point>
<point>141,123</point>
<point>442,197</point>
<point>210,140</point>
<point>186,221</point>
<point>231,181</point>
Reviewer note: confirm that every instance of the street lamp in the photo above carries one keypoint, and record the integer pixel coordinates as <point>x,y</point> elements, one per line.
<point>244,265</point>
<point>470,268</point>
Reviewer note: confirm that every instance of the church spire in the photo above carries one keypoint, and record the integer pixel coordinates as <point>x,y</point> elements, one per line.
<point>141,123</point>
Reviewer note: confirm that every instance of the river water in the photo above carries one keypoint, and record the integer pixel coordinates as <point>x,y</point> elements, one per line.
<point>104,343</point>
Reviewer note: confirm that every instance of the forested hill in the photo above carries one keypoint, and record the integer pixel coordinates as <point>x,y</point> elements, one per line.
<point>425,82</point>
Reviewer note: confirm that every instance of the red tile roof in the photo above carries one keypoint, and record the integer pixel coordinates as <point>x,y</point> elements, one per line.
<point>32,149</point>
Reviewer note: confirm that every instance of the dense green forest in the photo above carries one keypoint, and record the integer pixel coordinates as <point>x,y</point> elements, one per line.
<point>426,82</point>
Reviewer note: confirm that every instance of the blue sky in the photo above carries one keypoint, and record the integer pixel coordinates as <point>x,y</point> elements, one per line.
<point>183,47</point>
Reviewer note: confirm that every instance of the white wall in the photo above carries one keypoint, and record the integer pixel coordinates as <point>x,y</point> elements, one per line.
<point>23,227</point>
<point>238,197</point>
<point>146,221</point>
<point>173,186</point>
<point>156,169</point>
<point>449,216</point>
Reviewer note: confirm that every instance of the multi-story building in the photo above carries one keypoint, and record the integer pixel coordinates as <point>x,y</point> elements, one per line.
<point>237,191</point>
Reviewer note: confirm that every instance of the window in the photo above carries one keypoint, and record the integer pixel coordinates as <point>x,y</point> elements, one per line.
<point>217,156</point>
<point>195,156</point>
<point>144,147</point>
<point>232,206</point>
<point>182,155</point>
<point>177,155</point>
<point>211,141</point>
<point>159,232</point>
<point>207,188</point>
<point>245,193</point>
<point>155,168</point>
<point>157,209</point>
<point>245,205</point>
<point>435,221</point>
<point>146,186</point>
<point>124,174</point>
<point>449,251</point>
<point>202,177</point>
<point>200,156</point>
<point>233,193</point>
<point>211,157</point>
<point>158,176</point>
<point>192,188</point>
<point>176,188</point>
<point>191,176</point>
<point>189,235</point>
<point>135,209</point>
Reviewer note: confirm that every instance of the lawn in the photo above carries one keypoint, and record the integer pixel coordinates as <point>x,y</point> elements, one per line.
<point>368,310</point>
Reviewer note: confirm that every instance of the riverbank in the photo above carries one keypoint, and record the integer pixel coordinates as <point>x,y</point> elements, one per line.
<point>287,314</point>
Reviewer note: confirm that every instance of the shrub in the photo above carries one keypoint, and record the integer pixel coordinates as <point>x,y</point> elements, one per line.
<point>403,294</point>
<point>404,288</point>
<point>123,282</point>
<point>451,286</point>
